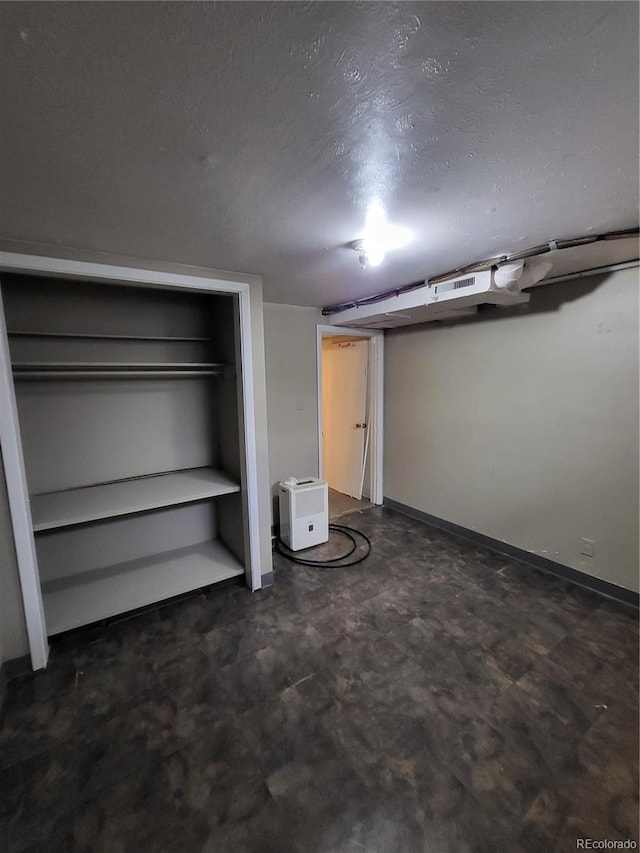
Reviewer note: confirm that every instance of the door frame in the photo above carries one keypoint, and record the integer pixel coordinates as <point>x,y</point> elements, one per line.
<point>11,444</point>
<point>376,391</point>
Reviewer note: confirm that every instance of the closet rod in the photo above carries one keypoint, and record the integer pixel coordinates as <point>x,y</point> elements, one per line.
<point>96,366</point>
<point>97,336</point>
<point>112,374</point>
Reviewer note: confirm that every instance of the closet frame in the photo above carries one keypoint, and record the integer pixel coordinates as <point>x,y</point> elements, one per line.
<point>10,438</point>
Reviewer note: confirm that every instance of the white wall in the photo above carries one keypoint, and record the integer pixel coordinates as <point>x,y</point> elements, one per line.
<point>524,426</point>
<point>292,397</point>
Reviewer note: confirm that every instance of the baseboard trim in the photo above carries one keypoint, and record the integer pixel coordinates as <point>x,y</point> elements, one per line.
<point>267,580</point>
<point>604,588</point>
<point>10,669</point>
<point>17,667</point>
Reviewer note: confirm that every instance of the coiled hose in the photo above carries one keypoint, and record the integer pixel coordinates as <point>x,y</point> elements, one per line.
<point>348,532</point>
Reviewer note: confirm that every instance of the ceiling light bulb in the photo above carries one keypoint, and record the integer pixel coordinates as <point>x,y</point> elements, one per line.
<point>379,237</point>
<point>369,254</point>
<point>374,254</point>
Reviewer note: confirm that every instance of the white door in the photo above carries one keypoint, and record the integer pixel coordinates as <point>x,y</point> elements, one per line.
<point>344,399</point>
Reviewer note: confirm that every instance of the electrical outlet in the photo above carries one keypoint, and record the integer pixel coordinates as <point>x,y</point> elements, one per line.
<point>587,547</point>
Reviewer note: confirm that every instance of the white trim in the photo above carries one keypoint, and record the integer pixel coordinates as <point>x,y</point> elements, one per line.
<point>19,507</point>
<point>377,397</point>
<point>254,575</point>
<point>88,270</point>
<point>376,385</point>
<point>10,435</point>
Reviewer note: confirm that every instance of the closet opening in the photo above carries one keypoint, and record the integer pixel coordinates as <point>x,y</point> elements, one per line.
<point>128,402</point>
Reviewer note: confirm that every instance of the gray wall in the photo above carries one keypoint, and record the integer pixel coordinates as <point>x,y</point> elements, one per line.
<point>524,426</point>
<point>292,396</point>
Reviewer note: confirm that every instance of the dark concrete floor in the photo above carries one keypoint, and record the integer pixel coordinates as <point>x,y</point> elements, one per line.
<point>436,698</point>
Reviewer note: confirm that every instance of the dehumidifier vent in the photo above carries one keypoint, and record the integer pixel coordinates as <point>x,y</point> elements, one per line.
<point>309,502</point>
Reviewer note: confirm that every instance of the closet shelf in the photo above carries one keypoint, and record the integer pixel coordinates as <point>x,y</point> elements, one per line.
<point>127,497</point>
<point>91,596</point>
<point>91,336</point>
<point>113,370</point>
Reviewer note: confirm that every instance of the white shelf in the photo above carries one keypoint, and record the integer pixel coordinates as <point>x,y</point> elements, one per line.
<point>125,497</point>
<point>81,599</point>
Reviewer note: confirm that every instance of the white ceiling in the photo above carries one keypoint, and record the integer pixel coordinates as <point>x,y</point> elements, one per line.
<point>253,136</point>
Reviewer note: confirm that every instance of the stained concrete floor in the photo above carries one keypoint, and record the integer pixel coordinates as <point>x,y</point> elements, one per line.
<point>340,504</point>
<point>436,698</point>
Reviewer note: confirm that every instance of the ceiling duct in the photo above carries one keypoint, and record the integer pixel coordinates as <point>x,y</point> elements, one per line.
<point>448,300</point>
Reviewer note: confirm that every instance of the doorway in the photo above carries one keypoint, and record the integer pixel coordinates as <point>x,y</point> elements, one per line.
<point>350,376</point>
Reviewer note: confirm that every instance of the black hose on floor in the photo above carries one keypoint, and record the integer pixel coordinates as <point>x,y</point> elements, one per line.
<point>330,564</point>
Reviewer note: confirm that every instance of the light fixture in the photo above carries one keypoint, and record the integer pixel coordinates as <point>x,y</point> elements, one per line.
<point>369,254</point>
<point>379,237</point>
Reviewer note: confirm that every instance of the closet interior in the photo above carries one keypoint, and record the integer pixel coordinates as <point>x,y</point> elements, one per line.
<point>130,412</point>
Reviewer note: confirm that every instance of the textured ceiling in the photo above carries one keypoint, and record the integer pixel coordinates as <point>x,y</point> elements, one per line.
<point>253,136</point>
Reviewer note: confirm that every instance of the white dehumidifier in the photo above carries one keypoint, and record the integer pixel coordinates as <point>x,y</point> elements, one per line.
<point>304,512</point>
